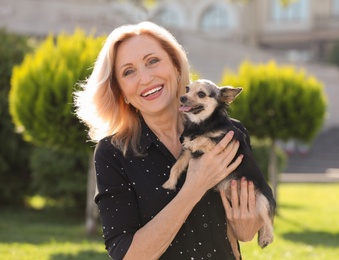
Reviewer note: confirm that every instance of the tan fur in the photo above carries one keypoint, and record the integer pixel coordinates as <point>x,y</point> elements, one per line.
<point>177,170</point>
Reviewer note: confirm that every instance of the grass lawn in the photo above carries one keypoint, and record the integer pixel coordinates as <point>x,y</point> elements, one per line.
<point>46,235</point>
<point>307,227</point>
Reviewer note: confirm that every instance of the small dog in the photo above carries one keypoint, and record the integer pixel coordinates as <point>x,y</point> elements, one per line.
<point>206,123</point>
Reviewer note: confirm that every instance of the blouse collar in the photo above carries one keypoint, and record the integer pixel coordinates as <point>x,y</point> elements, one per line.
<point>147,136</point>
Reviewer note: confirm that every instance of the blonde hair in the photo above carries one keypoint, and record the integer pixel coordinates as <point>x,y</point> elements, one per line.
<point>100,103</point>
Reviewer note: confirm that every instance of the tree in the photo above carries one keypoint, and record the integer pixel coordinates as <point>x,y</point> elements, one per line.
<point>41,98</point>
<point>277,103</point>
<point>14,152</point>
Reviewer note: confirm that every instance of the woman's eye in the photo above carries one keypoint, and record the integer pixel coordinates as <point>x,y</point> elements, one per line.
<point>201,94</point>
<point>153,61</point>
<point>128,72</point>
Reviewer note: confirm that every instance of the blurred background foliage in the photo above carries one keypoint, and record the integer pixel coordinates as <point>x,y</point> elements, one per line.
<point>59,177</point>
<point>273,101</point>
<point>54,161</point>
<point>14,152</point>
<point>41,96</point>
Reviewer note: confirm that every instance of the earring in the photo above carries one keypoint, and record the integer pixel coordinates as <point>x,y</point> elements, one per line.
<point>178,78</point>
<point>126,101</point>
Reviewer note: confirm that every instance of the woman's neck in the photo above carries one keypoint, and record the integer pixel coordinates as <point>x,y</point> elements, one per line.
<point>168,129</point>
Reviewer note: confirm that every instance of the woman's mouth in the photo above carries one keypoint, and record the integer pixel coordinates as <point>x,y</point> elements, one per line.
<point>152,91</point>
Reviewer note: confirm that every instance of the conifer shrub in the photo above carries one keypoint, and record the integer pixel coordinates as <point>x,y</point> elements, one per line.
<point>41,101</point>
<point>41,105</point>
<point>278,102</point>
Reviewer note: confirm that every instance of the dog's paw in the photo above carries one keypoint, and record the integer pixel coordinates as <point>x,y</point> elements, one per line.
<point>264,239</point>
<point>169,185</point>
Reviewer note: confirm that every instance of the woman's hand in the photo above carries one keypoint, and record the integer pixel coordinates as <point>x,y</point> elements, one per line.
<point>242,216</point>
<point>212,167</point>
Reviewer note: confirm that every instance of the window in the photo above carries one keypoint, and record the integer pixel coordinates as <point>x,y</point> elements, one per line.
<point>168,17</point>
<point>336,7</point>
<point>215,18</point>
<point>296,10</point>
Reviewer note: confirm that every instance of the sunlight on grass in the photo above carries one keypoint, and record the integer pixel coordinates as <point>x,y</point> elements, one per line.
<point>53,250</point>
<point>306,228</point>
<point>36,202</point>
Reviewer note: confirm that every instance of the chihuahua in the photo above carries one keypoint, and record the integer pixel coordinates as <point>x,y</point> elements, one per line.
<point>206,122</point>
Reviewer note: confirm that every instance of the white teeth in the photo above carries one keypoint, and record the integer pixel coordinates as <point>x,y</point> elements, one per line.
<point>152,91</point>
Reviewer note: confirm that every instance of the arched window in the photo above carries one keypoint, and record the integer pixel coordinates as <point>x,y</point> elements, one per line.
<point>295,11</point>
<point>168,17</point>
<point>215,18</point>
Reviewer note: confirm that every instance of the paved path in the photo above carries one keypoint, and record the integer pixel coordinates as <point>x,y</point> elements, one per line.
<point>309,177</point>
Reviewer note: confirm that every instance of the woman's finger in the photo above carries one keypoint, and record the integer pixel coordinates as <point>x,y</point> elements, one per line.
<point>231,167</point>
<point>243,195</point>
<point>230,151</point>
<point>226,203</point>
<point>222,145</point>
<point>251,197</point>
<point>234,195</point>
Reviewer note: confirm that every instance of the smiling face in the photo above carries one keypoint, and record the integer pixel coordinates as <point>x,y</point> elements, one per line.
<point>146,75</point>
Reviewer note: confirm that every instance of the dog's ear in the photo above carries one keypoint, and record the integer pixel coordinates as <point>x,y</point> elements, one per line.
<point>228,93</point>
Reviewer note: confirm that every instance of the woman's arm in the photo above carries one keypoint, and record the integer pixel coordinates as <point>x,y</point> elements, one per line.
<point>152,240</point>
<point>242,216</point>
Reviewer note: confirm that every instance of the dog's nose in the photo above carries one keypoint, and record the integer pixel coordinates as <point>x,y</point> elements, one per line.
<point>183,99</point>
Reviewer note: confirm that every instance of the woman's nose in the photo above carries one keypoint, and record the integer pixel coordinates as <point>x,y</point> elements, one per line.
<point>146,76</point>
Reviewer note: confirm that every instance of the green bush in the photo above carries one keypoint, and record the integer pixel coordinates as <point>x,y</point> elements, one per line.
<point>14,152</point>
<point>42,86</point>
<point>41,105</point>
<point>60,176</point>
<point>278,102</point>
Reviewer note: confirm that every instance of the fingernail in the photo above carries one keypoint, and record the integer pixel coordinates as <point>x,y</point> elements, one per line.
<point>231,133</point>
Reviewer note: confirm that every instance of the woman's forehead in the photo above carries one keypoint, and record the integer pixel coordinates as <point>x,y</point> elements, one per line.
<point>137,48</point>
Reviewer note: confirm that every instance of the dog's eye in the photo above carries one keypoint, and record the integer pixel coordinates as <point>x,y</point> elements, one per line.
<point>201,94</point>
<point>187,89</point>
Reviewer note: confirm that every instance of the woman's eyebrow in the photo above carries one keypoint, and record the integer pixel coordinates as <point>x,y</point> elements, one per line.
<point>147,55</point>
<point>129,63</point>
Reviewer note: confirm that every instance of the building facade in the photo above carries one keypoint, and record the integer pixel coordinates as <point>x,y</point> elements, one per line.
<point>217,34</point>
<point>304,30</point>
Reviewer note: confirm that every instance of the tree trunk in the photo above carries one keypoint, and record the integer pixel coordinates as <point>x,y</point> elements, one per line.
<point>92,214</point>
<point>273,169</point>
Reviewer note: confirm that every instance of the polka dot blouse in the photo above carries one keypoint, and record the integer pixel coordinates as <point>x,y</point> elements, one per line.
<point>130,194</point>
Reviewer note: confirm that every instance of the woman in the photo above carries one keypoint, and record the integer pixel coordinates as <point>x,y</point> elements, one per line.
<point>130,103</point>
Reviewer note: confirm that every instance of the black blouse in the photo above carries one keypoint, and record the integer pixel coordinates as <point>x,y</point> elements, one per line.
<point>130,194</point>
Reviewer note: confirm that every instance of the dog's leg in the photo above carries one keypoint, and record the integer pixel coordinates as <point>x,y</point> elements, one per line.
<point>265,234</point>
<point>177,170</point>
<point>233,242</point>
